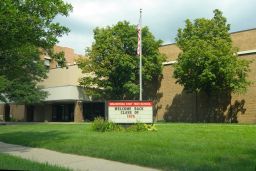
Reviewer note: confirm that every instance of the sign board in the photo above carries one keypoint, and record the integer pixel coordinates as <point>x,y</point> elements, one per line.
<point>130,111</point>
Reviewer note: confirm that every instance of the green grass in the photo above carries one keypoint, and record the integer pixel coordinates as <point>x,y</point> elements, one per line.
<point>173,147</point>
<point>8,162</point>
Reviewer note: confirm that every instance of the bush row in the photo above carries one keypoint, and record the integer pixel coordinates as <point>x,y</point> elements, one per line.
<point>101,125</point>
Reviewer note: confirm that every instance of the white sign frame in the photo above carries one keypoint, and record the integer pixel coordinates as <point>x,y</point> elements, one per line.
<point>127,112</point>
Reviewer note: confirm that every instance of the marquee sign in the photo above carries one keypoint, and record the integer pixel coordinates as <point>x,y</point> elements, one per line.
<point>130,111</point>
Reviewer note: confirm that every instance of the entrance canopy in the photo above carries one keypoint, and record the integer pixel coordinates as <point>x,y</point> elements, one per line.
<point>65,93</point>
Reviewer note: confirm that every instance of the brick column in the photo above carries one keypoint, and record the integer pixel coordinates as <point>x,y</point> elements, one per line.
<point>2,112</point>
<point>78,112</point>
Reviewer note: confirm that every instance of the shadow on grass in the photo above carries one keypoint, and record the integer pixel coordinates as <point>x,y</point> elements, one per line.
<point>33,139</point>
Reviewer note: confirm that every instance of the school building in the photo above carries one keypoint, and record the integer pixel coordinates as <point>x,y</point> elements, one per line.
<point>66,99</point>
<point>175,104</point>
<point>68,102</point>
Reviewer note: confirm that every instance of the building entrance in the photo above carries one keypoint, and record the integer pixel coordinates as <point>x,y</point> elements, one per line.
<point>30,113</point>
<point>92,110</point>
<point>7,112</point>
<point>63,112</point>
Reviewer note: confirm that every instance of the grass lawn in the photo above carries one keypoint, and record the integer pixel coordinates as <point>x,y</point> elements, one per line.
<point>8,162</point>
<point>173,147</point>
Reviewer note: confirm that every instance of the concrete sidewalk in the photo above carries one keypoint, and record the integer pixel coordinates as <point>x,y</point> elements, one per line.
<point>74,162</point>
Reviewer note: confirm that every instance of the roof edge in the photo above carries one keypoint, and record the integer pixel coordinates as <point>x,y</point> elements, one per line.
<point>168,44</point>
<point>243,31</point>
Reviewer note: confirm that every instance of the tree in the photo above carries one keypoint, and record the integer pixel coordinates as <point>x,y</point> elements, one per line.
<point>114,66</point>
<point>27,30</point>
<point>208,62</point>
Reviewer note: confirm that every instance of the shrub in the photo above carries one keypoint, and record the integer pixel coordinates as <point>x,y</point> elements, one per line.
<point>139,127</point>
<point>101,125</point>
<point>150,127</point>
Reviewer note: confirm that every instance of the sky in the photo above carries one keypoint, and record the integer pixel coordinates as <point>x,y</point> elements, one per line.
<point>163,17</point>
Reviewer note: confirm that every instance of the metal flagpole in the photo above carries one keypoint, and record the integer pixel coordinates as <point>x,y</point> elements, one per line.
<point>140,56</point>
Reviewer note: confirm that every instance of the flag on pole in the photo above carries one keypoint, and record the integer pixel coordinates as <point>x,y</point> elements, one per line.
<point>139,39</point>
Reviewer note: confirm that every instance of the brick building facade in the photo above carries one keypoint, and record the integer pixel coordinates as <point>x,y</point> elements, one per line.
<point>64,94</point>
<point>67,101</point>
<point>175,104</point>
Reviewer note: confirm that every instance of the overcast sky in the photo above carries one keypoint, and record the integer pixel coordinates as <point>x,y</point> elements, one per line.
<point>163,17</point>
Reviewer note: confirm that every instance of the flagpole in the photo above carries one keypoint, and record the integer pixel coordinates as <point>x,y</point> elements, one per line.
<point>140,72</point>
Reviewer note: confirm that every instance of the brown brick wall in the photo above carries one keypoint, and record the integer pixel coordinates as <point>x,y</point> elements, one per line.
<point>78,112</point>
<point>17,112</point>
<point>171,51</point>
<point>175,104</point>
<point>250,96</point>
<point>70,55</point>
<point>244,40</point>
<point>2,112</point>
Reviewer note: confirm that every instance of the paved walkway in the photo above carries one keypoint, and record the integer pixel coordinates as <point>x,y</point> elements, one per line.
<point>74,162</point>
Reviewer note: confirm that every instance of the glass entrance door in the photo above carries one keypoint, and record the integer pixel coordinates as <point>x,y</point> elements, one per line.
<point>63,112</point>
<point>7,112</point>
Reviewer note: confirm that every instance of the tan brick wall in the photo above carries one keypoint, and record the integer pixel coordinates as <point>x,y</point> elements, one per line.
<point>244,40</point>
<point>78,112</point>
<point>171,51</point>
<point>17,112</point>
<point>1,111</point>
<point>177,104</point>
<point>70,55</point>
<point>250,96</point>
